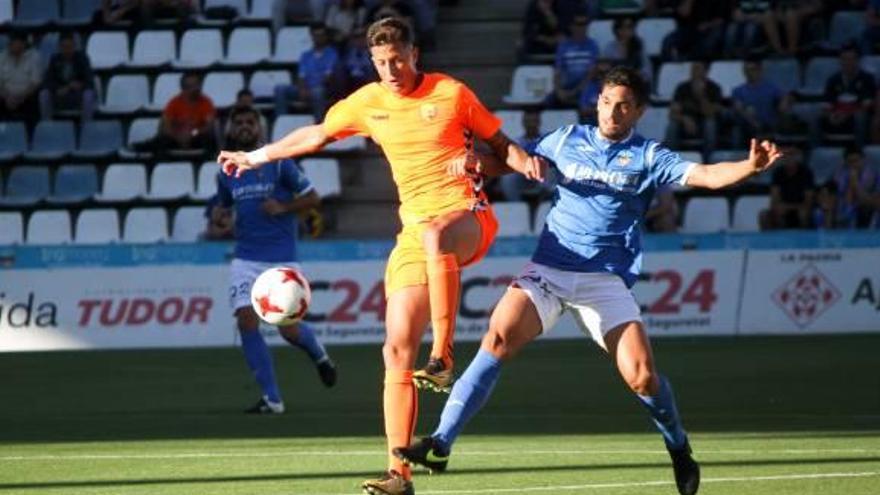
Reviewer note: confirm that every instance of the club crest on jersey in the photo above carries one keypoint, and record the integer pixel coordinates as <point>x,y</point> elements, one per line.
<point>624,158</point>
<point>428,111</point>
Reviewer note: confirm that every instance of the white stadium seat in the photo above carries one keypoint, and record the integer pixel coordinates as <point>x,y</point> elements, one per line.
<point>126,94</point>
<point>706,215</point>
<point>223,87</point>
<point>746,213</point>
<point>153,49</point>
<point>145,225</point>
<point>818,70</point>
<point>142,129</point>
<point>323,173</point>
<point>511,123</point>
<point>824,161</point>
<point>654,122</point>
<point>728,74</point>
<point>530,84</point>
<point>123,182</point>
<point>167,86</point>
<point>248,46</point>
<point>513,218</point>
<point>200,48</point>
<point>206,186</point>
<point>97,226</point>
<point>290,43</point>
<point>263,82</point>
<point>652,31</point>
<point>171,180</point>
<point>189,223</point>
<point>670,76</point>
<point>11,228</point>
<point>554,119</point>
<point>286,123</point>
<point>49,227</point>
<point>107,49</point>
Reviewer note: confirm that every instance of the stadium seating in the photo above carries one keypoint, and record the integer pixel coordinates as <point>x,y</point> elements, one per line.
<point>324,175</point>
<point>290,43</point>
<point>728,155</point>
<point>49,227</point>
<point>818,70</point>
<point>530,85</point>
<point>601,31</point>
<point>123,182</point>
<point>171,180</point>
<point>248,46</point>
<point>206,186</point>
<point>706,215</point>
<point>6,13</point>
<point>53,140</point>
<point>189,223</point>
<point>746,213</point>
<point>554,119</point>
<point>78,12</point>
<point>653,123</point>
<point>728,74</point>
<point>846,27</point>
<point>692,156</point>
<point>97,226</point>
<point>11,228</point>
<point>126,94</point>
<point>153,49</point>
<point>167,86</point>
<point>784,72</point>
<point>108,49</point>
<point>145,225</point>
<point>872,156</point>
<point>74,184</point>
<point>511,123</point>
<point>13,140</point>
<point>239,5</point>
<point>652,31</point>
<point>142,129</point>
<point>261,10</point>
<point>36,13</point>
<point>26,185</point>
<point>262,83</point>
<point>200,48</point>
<point>99,139</point>
<point>286,123</point>
<point>824,161</point>
<point>871,63</point>
<point>670,76</point>
<point>513,218</point>
<point>222,87</point>
<point>541,217</point>
<point>351,143</point>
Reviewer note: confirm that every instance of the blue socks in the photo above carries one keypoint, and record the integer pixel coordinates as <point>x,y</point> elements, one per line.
<point>309,343</point>
<point>665,414</point>
<point>468,396</point>
<point>259,360</point>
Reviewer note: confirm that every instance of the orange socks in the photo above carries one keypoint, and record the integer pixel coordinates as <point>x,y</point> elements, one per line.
<point>444,291</point>
<point>401,410</point>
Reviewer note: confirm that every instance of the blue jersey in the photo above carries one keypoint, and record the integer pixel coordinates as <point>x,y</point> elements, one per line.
<point>260,236</point>
<point>603,191</point>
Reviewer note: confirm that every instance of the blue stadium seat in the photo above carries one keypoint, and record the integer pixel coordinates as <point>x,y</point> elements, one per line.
<point>728,74</point>
<point>78,12</point>
<point>74,184</point>
<point>785,72</point>
<point>824,161</point>
<point>27,185</point>
<point>99,138</point>
<point>97,226</point>
<point>5,12</point>
<point>126,94</point>
<point>706,215</point>
<point>53,139</point>
<point>49,227</point>
<point>153,49</point>
<point>108,49</point>
<point>652,31</point>
<point>13,140</point>
<point>11,228</point>
<point>653,123</point>
<point>818,70</point>
<point>846,27</point>
<point>35,13</point>
<point>670,76</point>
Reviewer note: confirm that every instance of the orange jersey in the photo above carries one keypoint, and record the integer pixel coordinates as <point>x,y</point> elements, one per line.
<point>420,133</point>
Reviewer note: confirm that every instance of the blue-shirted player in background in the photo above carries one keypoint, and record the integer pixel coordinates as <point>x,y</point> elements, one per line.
<point>266,202</point>
<point>587,259</point>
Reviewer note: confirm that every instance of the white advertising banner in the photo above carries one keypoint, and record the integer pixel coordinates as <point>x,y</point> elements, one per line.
<point>690,293</point>
<point>812,291</point>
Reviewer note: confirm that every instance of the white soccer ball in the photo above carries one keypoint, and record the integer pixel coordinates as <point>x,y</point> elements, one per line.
<point>281,295</point>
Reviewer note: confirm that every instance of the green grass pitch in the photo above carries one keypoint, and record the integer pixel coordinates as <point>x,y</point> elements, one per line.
<point>767,415</point>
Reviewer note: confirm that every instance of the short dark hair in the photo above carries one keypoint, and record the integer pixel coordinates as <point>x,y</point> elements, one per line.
<point>67,36</point>
<point>238,111</point>
<point>389,31</point>
<point>244,92</point>
<point>629,78</point>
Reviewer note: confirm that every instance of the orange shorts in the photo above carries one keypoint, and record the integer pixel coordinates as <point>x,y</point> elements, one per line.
<point>406,264</point>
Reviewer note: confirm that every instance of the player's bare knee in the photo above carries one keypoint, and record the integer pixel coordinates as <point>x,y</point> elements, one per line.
<point>641,380</point>
<point>498,343</point>
<point>397,355</point>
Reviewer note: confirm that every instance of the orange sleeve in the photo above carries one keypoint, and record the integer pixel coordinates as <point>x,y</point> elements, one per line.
<point>476,116</point>
<point>344,119</point>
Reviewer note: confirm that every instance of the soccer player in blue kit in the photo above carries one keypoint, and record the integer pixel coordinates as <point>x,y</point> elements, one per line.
<point>266,202</point>
<point>587,259</point>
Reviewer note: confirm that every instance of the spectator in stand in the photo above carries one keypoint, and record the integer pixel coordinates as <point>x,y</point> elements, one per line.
<point>849,97</point>
<point>662,214</point>
<point>795,15</point>
<point>757,104</point>
<point>245,99</point>
<point>575,64</point>
<point>391,8</point>
<point>219,221</point>
<point>871,36</point>
<point>699,32</point>
<point>626,48</point>
<point>857,187</point>
<point>589,97</point>
<point>343,19</point>
<point>825,212</point>
<point>69,83</point>
<point>144,11</point>
<point>541,29</point>
<point>696,110</point>
<point>514,187</point>
<point>20,78</point>
<point>188,121</point>
<point>317,80</point>
<point>791,194</point>
<point>357,62</point>
<point>751,18</point>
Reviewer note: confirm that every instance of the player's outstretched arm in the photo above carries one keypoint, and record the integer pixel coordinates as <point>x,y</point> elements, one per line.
<point>513,156</point>
<point>301,141</point>
<point>716,176</point>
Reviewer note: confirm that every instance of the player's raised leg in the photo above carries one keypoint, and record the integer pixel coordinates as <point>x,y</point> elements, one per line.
<point>515,322</point>
<point>302,336</point>
<point>406,318</point>
<point>450,241</point>
<point>259,360</point>
<point>629,346</point>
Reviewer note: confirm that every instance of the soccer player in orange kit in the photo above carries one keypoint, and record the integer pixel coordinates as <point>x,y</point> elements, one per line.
<point>425,124</point>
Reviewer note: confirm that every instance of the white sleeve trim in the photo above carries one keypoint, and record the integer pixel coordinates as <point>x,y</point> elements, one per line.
<point>687,173</point>
<point>562,139</point>
<point>305,191</point>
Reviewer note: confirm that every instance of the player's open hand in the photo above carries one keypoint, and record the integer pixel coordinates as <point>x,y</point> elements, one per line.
<point>763,155</point>
<point>234,162</point>
<point>466,165</point>
<point>535,168</point>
